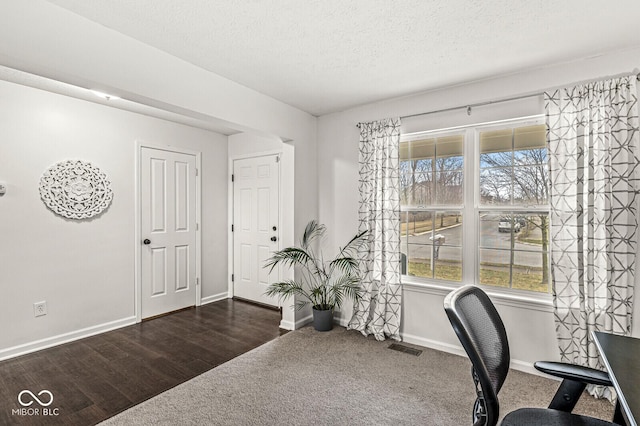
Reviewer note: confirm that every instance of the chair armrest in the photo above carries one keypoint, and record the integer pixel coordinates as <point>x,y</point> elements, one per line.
<point>574,372</point>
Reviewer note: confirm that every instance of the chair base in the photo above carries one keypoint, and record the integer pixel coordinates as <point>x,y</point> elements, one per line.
<point>549,417</point>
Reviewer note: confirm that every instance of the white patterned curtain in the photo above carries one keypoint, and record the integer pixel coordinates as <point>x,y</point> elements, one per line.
<point>378,312</point>
<point>593,141</point>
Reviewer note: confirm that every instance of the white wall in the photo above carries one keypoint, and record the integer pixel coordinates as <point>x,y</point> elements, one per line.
<point>530,327</point>
<point>85,269</point>
<point>45,40</point>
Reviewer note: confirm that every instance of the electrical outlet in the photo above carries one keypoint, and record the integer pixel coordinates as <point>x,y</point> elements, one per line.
<point>40,309</point>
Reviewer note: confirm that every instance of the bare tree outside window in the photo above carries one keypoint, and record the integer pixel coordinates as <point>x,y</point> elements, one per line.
<point>416,182</point>
<point>510,207</point>
<point>431,181</point>
<point>514,174</point>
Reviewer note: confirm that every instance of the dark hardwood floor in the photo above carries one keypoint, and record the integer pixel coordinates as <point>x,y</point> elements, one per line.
<point>95,378</point>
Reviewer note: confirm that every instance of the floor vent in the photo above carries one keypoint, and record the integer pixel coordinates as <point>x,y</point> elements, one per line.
<point>405,349</point>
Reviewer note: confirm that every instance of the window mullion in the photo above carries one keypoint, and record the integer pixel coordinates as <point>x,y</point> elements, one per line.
<point>470,238</point>
<point>495,199</point>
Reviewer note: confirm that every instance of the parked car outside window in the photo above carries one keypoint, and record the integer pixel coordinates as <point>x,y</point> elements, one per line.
<point>504,225</point>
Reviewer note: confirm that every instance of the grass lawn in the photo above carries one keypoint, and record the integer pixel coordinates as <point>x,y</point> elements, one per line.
<point>521,280</point>
<point>452,271</point>
<point>419,227</point>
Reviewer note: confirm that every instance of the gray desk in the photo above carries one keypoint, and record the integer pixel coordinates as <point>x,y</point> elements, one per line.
<point>621,355</point>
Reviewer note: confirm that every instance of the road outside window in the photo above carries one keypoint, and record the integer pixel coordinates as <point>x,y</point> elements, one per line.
<point>432,193</point>
<point>507,164</point>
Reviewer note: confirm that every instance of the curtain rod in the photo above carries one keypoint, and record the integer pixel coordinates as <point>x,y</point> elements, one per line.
<point>478,104</point>
<point>469,106</point>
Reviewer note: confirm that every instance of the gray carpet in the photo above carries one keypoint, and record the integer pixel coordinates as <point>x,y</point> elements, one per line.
<point>338,378</point>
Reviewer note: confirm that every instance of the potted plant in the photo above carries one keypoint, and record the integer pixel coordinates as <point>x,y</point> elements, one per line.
<point>324,285</point>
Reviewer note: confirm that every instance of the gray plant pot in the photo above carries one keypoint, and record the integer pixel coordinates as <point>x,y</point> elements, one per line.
<point>322,319</point>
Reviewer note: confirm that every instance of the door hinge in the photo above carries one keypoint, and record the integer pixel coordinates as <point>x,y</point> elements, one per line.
<point>197,281</point>
<point>232,228</point>
<point>196,172</point>
<point>233,177</point>
<point>277,159</point>
<point>232,278</point>
<point>197,226</point>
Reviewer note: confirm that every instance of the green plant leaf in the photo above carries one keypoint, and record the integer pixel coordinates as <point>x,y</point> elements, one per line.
<point>345,286</point>
<point>311,232</point>
<point>321,284</point>
<point>285,289</point>
<point>345,264</point>
<point>290,256</point>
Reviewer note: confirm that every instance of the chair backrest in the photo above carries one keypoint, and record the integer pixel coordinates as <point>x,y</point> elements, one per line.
<point>481,332</point>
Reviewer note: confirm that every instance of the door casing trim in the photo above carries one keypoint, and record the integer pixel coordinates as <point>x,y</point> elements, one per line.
<point>138,220</point>
<point>231,205</point>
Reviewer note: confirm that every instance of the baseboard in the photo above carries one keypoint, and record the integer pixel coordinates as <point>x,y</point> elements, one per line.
<point>344,322</point>
<point>214,298</point>
<point>524,366</point>
<point>527,367</point>
<point>304,321</point>
<point>64,338</point>
<point>433,344</point>
<point>288,325</point>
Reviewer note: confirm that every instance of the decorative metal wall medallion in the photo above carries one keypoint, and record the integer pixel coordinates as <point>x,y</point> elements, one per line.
<point>75,189</point>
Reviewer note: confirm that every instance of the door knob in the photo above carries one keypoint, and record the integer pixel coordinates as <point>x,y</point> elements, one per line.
<point>274,239</point>
<point>146,242</point>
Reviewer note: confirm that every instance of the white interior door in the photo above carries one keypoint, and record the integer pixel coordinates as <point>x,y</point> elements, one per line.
<point>168,230</point>
<point>256,234</point>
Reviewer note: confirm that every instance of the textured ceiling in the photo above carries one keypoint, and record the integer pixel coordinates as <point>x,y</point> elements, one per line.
<point>329,55</point>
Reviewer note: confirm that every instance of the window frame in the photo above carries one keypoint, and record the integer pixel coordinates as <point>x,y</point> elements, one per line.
<point>472,207</point>
<point>434,208</point>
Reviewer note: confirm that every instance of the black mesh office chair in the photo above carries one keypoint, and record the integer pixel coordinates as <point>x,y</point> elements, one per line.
<point>482,334</point>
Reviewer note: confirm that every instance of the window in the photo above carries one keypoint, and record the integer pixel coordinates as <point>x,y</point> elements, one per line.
<point>495,177</point>
<point>432,196</point>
